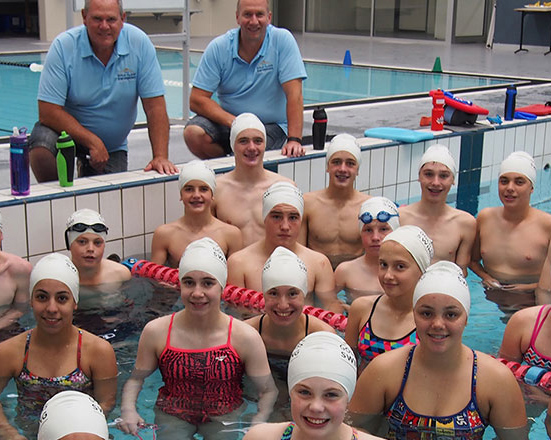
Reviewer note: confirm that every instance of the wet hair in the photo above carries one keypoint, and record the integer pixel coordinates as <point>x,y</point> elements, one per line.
<point>239,2</point>
<point>119,2</point>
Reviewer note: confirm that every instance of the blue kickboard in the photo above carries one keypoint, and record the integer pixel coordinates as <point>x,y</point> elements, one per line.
<point>398,134</point>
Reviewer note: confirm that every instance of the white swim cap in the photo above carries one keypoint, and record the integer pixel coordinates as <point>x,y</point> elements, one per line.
<point>243,122</point>
<point>326,355</point>
<point>204,255</point>
<point>519,162</point>
<point>416,242</point>
<point>284,268</point>
<point>441,154</point>
<point>444,278</point>
<point>376,205</point>
<point>71,412</point>
<point>197,170</point>
<point>56,267</point>
<point>344,142</point>
<point>282,192</point>
<point>78,222</point>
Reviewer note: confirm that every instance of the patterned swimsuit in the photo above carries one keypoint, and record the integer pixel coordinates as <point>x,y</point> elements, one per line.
<point>467,424</point>
<point>34,391</point>
<point>533,356</point>
<point>199,384</point>
<point>288,433</point>
<point>371,346</point>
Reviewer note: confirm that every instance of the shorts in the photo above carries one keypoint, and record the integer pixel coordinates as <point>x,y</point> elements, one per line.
<point>220,134</point>
<point>44,136</point>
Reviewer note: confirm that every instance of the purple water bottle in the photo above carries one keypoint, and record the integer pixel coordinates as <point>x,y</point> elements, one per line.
<point>19,162</point>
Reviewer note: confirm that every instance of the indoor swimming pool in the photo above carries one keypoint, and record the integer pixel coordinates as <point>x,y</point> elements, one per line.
<point>326,83</point>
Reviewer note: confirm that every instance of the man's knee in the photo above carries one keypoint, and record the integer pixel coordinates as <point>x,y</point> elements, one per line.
<point>43,164</point>
<point>197,140</point>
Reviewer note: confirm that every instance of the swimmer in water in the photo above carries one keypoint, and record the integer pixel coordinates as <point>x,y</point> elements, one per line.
<point>452,230</point>
<point>14,279</point>
<point>72,415</point>
<point>378,217</point>
<point>85,238</point>
<point>321,381</point>
<point>198,339</point>
<point>197,184</point>
<point>513,264</point>
<point>55,355</point>
<point>328,224</point>
<point>381,323</point>
<point>239,192</point>
<point>441,388</point>
<point>282,210</point>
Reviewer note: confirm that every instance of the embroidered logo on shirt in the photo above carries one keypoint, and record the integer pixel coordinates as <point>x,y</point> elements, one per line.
<point>264,66</point>
<point>126,75</point>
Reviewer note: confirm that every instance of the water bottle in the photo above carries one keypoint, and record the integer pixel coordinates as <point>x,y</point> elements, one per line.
<point>437,121</point>
<point>19,162</point>
<point>65,159</point>
<point>510,102</point>
<point>319,128</point>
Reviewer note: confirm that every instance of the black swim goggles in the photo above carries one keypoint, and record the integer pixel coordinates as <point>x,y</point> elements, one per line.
<point>81,227</point>
<point>382,216</point>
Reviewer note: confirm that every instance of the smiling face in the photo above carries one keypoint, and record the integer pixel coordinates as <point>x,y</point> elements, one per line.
<point>104,23</point>
<point>436,180</point>
<point>53,305</point>
<point>343,169</point>
<point>318,407</point>
<point>200,292</point>
<point>282,225</point>
<point>398,271</point>
<point>440,320</point>
<point>253,17</point>
<point>514,190</point>
<point>372,235</point>
<point>87,251</point>
<point>249,147</point>
<point>196,196</point>
<point>284,304</point>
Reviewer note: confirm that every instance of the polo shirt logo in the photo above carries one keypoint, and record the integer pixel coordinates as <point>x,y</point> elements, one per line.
<point>126,75</point>
<point>264,66</point>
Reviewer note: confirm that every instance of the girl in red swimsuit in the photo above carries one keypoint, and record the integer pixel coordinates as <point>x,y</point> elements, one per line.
<point>202,355</point>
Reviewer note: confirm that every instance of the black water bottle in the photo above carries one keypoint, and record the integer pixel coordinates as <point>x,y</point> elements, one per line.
<point>319,128</point>
<point>510,102</point>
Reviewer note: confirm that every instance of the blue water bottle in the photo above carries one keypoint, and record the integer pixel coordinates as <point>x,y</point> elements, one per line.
<point>510,102</point>
<point>19,162</point>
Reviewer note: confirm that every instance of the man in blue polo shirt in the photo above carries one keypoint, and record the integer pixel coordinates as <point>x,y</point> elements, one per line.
<point>254,68</point>
<point>92,78</point>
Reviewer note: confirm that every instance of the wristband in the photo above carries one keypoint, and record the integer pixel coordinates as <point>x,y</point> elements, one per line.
<point>295,139</point>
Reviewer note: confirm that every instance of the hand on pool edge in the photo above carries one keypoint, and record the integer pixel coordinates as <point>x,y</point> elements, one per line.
<point>161,165</point>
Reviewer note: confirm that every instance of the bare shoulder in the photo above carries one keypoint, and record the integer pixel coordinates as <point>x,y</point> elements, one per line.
<point>465,218</point>
<point>241,329</point>
<point>348,267</point>
<point>313,196</point>
<point>17,265</point>
<point>525,317</point>
<point>245,338</point>
<point>317,325</point>
<point>117,271</point>
<point>406,212</point>
<point>97,347</point>
<point>363,304</point>
<point>11,353</point>
<point>492,373</point>
<point>544,218</point>
<point>266,431</point>
<point>272,177</point>
<point>223,179</point>
<point>486,214</point>
<point>254,322</point>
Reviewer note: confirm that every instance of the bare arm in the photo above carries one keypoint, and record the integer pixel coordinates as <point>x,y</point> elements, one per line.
<point>158,129</point>
<point>201,102</point>
<point>463,255</point>
<point>324,286</point>
<point>104,374</point>
<point>295,109</point>
<point>7,371</point>
<point>356,314</point>
<point>543,290</point>
<point>55,117</point>
<point>236,273</point>
<point>20,302</point>
<point>235,241</point>
<point>476,258</point>
<point>516,336</point>
<point>159,246</point>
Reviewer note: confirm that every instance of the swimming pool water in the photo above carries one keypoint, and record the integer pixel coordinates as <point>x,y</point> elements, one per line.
<point>325,83</point>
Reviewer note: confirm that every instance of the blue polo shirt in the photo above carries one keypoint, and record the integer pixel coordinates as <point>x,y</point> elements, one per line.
<point>103,99</point>
<point>256,86</point>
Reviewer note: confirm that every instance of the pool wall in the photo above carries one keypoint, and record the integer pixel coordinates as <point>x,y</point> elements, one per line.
<point>135,203</point>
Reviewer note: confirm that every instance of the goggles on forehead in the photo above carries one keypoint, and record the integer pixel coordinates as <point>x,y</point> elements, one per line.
<point>81,227</point>
<point>381,216</point>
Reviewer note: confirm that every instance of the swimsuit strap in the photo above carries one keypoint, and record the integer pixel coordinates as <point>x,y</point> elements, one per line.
<point>473,379</point>
<point>26,354</point>
<point>169,330</point>
<point>539,324</point>
<point>306,332</point>
<point>260,324</point>
<point>79,347</point>
<point>354,434</point>
<point>406,370</point>
<point>287,434</point>
<point>228,343</point>
<point>372,311</point>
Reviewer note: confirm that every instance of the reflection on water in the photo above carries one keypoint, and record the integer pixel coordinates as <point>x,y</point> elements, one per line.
<point>120,315</point>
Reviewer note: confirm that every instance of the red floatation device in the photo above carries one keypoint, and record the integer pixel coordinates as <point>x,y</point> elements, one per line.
<point>238,296</point>
<point>529,374</point>
<point>459,111</point>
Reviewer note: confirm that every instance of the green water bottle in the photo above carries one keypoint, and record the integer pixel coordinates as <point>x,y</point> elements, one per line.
<point>65,159</point>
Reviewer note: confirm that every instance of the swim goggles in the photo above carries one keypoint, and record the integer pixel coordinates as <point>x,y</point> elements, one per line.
<point>81,227</point>
<point>381,216</point>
